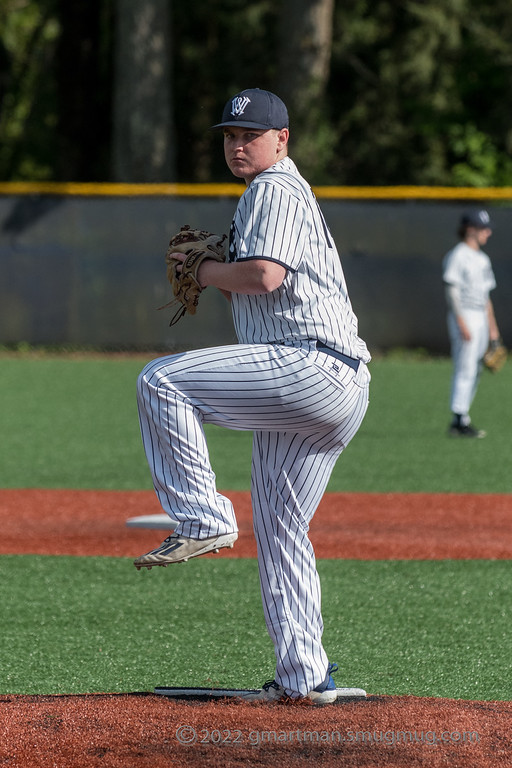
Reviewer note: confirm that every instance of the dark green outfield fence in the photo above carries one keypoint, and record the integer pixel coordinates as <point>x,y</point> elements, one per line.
<point>82,265</point>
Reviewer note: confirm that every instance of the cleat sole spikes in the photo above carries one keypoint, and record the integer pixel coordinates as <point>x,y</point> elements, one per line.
<point>179,549</point>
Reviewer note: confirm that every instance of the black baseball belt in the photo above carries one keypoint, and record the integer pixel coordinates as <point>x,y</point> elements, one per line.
<point>351,361</point>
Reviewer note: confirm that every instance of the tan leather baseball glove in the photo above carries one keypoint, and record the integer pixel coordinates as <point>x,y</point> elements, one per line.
<point>496,356</point>
<point>197,245</point>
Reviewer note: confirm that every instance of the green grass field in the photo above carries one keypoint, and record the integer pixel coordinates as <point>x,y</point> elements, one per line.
<point>72,423</point>
<point>75,625</point>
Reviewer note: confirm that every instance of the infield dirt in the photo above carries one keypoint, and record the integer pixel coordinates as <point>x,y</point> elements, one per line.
<point>411,526</point>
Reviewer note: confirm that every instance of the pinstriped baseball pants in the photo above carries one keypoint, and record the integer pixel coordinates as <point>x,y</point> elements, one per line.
<point>303,409</point>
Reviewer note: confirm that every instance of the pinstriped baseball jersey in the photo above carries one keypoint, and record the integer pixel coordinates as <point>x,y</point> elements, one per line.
<point>278,218</point>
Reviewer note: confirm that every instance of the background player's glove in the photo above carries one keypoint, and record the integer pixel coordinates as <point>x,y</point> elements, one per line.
<point>197,245</point>
<point>496,355</point>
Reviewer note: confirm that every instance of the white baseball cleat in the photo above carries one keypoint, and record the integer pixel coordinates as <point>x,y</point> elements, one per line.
<point>179,549</point>
<point>325,693</point>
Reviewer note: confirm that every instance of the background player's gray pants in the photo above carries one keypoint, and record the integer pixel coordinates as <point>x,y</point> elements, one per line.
<point>467,358</point>
<point>303,408</point>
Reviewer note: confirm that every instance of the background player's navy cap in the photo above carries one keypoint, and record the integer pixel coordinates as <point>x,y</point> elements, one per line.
<point>476,218</point>
<point>254,108</point>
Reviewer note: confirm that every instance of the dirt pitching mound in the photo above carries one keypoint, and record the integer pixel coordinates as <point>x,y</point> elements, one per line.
<point>125,731</point>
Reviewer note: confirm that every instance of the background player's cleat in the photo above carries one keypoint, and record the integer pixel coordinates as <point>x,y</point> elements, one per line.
<point>325,693</point>
<point>466,430</point>
<point>178,549</point>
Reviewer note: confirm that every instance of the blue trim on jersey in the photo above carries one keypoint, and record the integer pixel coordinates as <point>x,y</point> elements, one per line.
<point>265,258</point>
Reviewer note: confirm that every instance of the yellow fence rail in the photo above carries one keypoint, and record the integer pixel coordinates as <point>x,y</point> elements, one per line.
<point>14,188</point>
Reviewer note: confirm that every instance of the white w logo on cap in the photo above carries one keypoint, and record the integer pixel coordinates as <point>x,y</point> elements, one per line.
<point>238,105</point>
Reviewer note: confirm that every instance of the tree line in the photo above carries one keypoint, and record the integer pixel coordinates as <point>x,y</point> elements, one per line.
<point>379,91</point>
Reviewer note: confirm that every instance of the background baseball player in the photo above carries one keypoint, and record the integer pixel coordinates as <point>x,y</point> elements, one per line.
<point>469,279</point>
<point>298,379</point>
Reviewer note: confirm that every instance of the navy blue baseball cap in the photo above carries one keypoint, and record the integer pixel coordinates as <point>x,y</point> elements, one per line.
<point>476,218</point>
<point>255,108</point>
